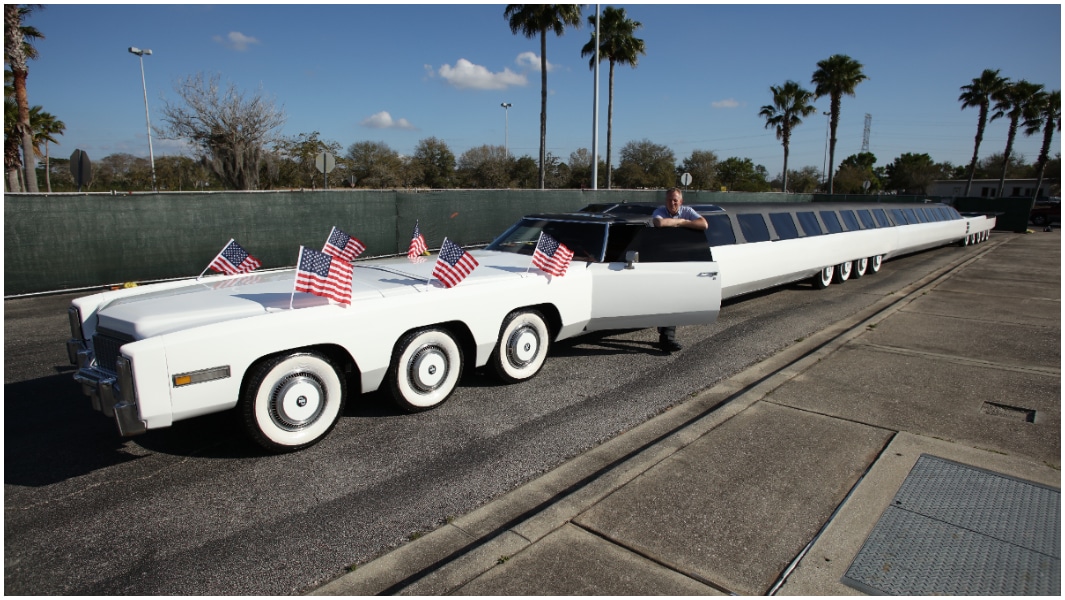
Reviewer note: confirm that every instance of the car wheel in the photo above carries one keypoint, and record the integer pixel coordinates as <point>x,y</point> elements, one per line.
<point>823,279</point>
<point>523,343</point>
<point>859,267</point>
<point>875,262</point>
<point>425,369</point>
<point>292,401</point>
<point>843,272</point>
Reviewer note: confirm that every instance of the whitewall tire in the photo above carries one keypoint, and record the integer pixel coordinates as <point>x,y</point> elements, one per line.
<point>425,369</point>
<point>292,401</point>
<point>522,348</point>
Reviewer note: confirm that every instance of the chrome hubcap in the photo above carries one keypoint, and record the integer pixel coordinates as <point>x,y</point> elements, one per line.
<point>297,401</point>
<point>427,368</point>
<point>523,346</point>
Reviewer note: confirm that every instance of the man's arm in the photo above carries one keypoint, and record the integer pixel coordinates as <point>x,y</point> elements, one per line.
<point>698,224</point>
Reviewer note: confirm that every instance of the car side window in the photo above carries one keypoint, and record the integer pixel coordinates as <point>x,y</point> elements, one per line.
<point>719,232</point>
<point>809,223</point>
<point>785,225</point>
<point>867,219</point>
<point>753,227</point>
<point>831,221</point>
<point>849,220</point>
<point>670,244</point>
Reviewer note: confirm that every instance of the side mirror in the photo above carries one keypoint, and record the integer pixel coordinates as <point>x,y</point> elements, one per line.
<point>631,257</point>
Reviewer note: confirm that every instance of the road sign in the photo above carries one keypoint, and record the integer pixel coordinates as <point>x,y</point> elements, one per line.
<point>325,162</point>
<point>80,168</point>
<point>686,179</point>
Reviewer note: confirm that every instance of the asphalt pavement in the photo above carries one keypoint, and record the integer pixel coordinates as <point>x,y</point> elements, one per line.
<point>813,472</point>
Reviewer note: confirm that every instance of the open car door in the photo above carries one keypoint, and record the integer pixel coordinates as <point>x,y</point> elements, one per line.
<point>670,278</point>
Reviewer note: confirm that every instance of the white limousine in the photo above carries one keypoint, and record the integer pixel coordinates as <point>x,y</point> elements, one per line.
<point>763,245</point>
<point>152,355</point>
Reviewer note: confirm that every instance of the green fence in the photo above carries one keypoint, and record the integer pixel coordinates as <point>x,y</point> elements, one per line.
<point>67,241</point>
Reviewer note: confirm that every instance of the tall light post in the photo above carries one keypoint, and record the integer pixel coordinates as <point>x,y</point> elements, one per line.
<point>506,132</point>
<point>151,154</point>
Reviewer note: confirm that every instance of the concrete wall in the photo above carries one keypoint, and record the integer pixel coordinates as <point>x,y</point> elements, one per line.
<point>66,241</point>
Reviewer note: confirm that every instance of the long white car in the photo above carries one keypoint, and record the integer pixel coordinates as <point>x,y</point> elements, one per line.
<point>152,355</point>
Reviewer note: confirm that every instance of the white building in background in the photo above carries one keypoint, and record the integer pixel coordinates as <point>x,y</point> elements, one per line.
<point>988,188</point>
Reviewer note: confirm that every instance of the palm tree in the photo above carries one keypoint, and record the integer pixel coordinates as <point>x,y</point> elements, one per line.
<point>980,93</point>
<point>536,19</point>
<point>835,76</point>
<point>18,49</point>
<point>618,45</point>
<point>1016,102</point>
<point>790,104</point>
<point>1048,118</point>
<point>45,126</point>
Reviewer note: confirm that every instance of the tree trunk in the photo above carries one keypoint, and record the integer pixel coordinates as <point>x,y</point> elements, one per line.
<point>834,122</point>
<point>976,148</point>
<point>47,170</point>
<point>1006,156</point>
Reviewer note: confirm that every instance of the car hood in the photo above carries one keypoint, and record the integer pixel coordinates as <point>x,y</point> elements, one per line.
<point>165,308</point>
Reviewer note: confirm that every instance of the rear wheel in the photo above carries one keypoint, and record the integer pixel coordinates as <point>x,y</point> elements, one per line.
<point>875,262</point>
<point>425,369</point>
<point>292,401</point>
<point>843,272</point>
<point>859,268</point>
<point>522,348</point>
<point>823,279</point>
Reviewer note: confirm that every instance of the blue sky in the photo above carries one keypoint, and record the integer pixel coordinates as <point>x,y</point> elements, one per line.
<point>401,73</point>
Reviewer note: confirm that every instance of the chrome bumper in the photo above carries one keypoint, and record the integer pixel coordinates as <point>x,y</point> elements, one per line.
<point>112,394</point>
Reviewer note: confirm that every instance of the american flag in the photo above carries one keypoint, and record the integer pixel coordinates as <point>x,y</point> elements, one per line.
<point>417,244</point>
<point>323,275</point>
<point>233,260</point>
<point>342,245</point>
<point>453,264</point>
<point>552,256</point>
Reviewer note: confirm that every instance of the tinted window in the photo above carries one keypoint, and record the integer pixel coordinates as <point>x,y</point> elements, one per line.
<point>954,214</point>
<point>753,227</point>
<point>720,231</point>
<point>670,244</point>
<point>849,220</point>
<point>881,217</point>
<point>809,223</point>
<point>831,221</point>
<point>585,239</point>
<point>867,219</point>
<point>784,225</point>
<point>910,217</point>
<point>921,216</point>
<point>897,216</point>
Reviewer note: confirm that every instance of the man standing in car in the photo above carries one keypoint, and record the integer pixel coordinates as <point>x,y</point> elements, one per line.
<point>675,214</point>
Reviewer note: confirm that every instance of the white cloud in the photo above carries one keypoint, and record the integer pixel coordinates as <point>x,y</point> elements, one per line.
<point>236,40</point>
<point>727,103</point>
<point>383,120</point>
<point>466,75</point>
<point>530,60</point>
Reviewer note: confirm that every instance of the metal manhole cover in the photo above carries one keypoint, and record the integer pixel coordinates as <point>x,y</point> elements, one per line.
<point>955,529</point>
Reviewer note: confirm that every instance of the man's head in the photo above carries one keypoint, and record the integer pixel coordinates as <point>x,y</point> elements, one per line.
<point>674,198</point>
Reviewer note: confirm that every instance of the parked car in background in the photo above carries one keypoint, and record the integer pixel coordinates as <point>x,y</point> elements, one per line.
<point>1046,212</point>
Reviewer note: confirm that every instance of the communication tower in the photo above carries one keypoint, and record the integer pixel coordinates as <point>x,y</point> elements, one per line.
<point>865,134</point>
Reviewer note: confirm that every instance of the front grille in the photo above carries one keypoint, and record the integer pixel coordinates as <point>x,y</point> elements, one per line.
<point>106,345</point>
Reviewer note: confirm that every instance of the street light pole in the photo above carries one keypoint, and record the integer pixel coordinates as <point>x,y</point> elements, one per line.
<point>506,132</point>
<point>151,154</point>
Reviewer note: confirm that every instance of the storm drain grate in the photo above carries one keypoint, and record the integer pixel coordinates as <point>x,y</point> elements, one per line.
<point>954,529</point>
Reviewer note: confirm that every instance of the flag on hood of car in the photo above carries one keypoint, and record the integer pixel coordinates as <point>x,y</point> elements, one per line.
<point>323,275</point>
<point>417,245</point>
<point>551,256</point>
<point>453,264</point>
<point>234,259</point>
<point>342,245</point>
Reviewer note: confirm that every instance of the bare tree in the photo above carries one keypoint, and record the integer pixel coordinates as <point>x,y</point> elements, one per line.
<point>230,130</point>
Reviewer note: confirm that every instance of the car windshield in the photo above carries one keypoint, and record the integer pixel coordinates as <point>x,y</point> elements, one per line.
<point>585,239</point>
